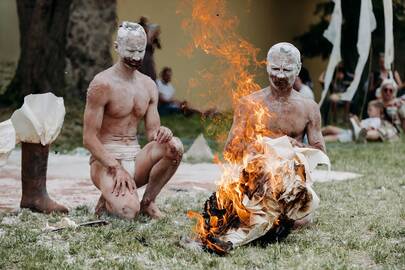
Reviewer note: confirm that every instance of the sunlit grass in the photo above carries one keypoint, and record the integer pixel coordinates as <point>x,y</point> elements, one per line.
<point>360,224</point>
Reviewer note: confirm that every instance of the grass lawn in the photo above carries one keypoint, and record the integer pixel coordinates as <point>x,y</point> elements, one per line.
<point>360,224</point>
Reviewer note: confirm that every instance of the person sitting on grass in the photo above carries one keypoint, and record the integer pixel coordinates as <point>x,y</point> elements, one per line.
<point>374,128</point>
<point>167,103</point>
<point>394,108</point>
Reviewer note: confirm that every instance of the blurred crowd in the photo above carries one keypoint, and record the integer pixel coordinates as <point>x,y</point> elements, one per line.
<point>381,107</point>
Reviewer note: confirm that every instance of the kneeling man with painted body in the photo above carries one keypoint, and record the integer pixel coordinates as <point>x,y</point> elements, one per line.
<point>117,100</point>
<point>286,111</point>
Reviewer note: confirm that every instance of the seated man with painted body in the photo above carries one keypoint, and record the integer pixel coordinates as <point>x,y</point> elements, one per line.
<point>117,100</point>
<point>277,110</point>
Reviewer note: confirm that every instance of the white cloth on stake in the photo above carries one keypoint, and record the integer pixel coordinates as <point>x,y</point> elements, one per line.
<point>367,24</point>
<point>40,118</point>
<point>389,35</point>
<point>333,34</point>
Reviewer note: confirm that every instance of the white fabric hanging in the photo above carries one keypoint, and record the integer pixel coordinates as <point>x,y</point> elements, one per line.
<point>7,141</point>
<point>389,34</point>
<point>367,24</point>
<point>40,118</point>
<point>333,34</point>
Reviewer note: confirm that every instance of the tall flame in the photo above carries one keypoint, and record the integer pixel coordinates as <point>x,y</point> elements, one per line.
<point>212,31</point>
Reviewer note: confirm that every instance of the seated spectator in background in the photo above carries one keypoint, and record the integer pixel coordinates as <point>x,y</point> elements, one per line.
<point>377,77</point>
<point>153,42</point>
<point>341,81</point>
<point>303,89</point>
<point>394,108</point>
<point>374,128</point>
<point>304,75</point>
<point>167,103</point>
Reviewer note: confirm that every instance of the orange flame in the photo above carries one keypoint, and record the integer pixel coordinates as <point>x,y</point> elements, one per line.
<point>212,30</point>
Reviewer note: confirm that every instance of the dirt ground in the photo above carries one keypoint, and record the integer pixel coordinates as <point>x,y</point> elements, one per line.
<point>69,180</point>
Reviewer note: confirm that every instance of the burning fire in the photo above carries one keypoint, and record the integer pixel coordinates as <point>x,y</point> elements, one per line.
<point>212,31</point>
<point>259,177</point>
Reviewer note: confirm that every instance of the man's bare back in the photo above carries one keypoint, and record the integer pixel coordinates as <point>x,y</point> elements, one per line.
<point>118,99</point>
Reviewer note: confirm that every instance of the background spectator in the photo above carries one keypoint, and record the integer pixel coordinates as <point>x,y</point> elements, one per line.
<point>394,108</point>
<point>341,81</point>
<point>304,89</point>
<point>153,32</point>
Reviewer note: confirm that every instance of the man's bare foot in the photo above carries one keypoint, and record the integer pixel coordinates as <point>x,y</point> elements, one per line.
<point>152,211</point>
<point>43,204</point>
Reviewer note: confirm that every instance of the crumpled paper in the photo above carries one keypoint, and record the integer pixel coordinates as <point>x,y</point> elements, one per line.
<point>281,160</point>
<point>63,223</point>
<point>7,141</point>
<point>40,118</point>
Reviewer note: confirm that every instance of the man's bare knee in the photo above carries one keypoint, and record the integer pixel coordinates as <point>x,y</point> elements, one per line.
<point>174,151</point>
<point>129,211</point>
<point>124,207</point>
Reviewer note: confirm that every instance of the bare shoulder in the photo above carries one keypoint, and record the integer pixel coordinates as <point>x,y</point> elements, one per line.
<point>308,103</point>
<point>149,84</point>
<point>99,88</point>
<point>146,80</point>
<point>255,97</point>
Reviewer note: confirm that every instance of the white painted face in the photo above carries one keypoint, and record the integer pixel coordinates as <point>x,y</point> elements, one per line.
<point>283,65</point>
<point>131,44</point>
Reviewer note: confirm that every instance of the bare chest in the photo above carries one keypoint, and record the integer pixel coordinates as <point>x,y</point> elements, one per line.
<point>128,99</point>
<point>286,119</point>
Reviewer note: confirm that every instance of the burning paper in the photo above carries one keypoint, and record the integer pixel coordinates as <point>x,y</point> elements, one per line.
<point>261,199</point>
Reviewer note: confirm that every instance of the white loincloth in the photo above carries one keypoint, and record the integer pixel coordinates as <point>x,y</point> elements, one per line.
<point>125,153</point>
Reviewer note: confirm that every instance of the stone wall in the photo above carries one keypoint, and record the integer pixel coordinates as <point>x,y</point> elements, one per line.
<point>90,29</point>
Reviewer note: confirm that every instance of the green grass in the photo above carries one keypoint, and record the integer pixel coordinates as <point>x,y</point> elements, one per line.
<point>360,224</point>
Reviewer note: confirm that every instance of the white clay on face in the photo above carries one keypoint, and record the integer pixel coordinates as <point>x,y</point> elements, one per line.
<point>283,63</point>
<point>131,41</point>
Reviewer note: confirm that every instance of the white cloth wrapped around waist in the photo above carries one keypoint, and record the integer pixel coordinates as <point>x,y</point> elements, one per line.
<point>122,149</point>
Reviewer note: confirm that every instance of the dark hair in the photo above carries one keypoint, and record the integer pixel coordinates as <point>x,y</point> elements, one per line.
<point>164,70</point>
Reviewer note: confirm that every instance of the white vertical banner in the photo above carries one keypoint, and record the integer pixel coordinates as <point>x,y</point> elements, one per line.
<point>367,24</point>
<point>389,34</point>
<point>333,35</point>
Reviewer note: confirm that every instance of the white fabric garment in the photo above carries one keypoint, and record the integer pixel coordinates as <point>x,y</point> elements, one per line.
<point>40,118</point>
<point>367,25</point>
<point>373,122</point>
<point>306,91</point>
<point>7,141</point>
<point>165,90</point>
<point>333,34</point>
<point>389,34</point>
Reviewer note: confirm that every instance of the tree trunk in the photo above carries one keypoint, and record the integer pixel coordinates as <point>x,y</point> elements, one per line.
<point>41,65</point>
<point>90,29</point>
